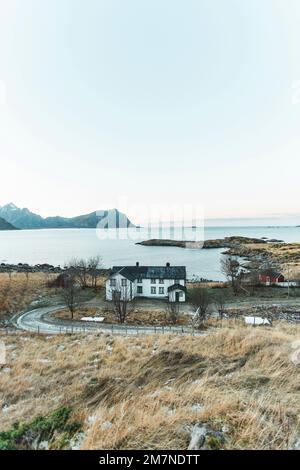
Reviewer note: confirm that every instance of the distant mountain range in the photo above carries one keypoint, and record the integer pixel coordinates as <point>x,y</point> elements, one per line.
<point>6,225</point>
<point>24,219</point>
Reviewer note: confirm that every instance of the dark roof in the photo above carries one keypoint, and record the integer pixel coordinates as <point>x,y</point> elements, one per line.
<point>271,273</point>
<point>150,272</point>
<point>176,287</point>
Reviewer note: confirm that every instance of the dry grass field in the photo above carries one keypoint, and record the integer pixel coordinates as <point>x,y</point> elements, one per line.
<point>149,391</point>
<point>18,290</point>
<point>136,316</point>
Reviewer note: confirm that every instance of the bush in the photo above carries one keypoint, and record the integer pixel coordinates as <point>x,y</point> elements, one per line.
<point>22,436</point>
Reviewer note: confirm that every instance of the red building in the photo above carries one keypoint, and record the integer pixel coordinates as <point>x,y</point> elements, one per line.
<point>269,276</point>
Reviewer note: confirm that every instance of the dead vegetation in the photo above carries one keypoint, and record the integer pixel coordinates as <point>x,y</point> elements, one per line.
<point>136,316</point>
<point>149,391</point>
<point>18,290</point>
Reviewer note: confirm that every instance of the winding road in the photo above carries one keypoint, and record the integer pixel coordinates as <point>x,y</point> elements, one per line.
<point>41,320</point>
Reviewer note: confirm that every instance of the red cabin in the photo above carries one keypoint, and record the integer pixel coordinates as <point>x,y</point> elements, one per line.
<point>269,277</point>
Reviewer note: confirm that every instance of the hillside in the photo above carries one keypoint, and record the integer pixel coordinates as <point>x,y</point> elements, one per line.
<point>23,218</point>
<point>4,225</point>
<point>97,391</point>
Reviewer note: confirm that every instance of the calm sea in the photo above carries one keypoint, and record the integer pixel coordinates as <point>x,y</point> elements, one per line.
<point>58,246</point>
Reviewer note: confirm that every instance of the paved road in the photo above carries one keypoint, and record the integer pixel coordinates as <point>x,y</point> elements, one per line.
<point>40,320</point>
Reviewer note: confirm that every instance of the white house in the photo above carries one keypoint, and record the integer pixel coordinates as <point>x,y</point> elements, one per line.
<point>160,282</point>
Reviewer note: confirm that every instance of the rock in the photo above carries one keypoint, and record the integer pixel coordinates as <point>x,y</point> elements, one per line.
<point>297,445</point>
<point>43,445</point>
<point>91,419</point>
<point>106,425</point>
<point>75,442</point>
<point>196,407</point>
<point>205,438</point>
<point>198,436</point>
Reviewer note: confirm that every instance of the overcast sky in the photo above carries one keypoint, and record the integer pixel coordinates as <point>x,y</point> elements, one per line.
<point>156,101</point>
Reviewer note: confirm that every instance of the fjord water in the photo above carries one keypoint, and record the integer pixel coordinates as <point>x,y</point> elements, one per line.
<point>58,246</point>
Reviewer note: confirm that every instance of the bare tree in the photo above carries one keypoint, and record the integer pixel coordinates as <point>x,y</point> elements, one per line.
<point>82,269</point>
<point>231,268</point>
<point>94,265</point>
<point>70,294</point>
<point>200,299</point>
<point>85,270</point>
<point>122,301</point>
<point>173,311</point>
<point>220,300</point>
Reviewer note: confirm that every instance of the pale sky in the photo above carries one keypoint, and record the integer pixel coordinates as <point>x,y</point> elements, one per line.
<point>155,101</point>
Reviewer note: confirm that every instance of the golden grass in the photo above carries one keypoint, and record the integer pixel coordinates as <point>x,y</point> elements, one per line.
<point>17,290</point>
<point>136,316</point>
<point>147,391</point>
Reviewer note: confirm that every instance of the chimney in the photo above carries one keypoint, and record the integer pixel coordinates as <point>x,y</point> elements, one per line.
<point>137,264</point>
<point>168,265</point>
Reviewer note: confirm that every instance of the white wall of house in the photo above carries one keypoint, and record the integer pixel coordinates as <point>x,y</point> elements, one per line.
<point>145,288</point>
<point>122,284</point>
<point>177,293</point>
<point>157,289</point>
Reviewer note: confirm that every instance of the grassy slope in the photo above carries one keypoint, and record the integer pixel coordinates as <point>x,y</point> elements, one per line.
<point>141,390</point>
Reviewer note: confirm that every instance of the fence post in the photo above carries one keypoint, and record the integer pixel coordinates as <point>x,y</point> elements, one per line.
<point>163,330</point>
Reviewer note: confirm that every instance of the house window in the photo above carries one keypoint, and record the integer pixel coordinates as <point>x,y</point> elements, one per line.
<point>113,283</point>
<point>180,294</point>
<point>140,281</point>
<point>153,281</point>
<point>161,281</point>
<point>161,290</point>
<point>139,289</point>
<point>124,282</point>
<point>153,290</point>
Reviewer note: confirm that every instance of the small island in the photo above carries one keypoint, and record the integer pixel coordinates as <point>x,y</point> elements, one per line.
<point>227,242</point>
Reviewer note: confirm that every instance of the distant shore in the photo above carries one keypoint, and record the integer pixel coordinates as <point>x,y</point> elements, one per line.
<point>270,251</point>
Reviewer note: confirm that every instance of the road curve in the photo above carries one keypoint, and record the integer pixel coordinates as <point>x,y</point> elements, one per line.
<point>41,320</point>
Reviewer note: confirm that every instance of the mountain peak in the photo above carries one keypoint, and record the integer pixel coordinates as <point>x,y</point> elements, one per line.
<point>24,219</point>
<point>10,206</point>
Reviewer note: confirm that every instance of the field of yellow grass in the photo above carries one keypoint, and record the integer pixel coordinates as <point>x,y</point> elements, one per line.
<point>149,391</point>
<point>136,316</point>
<point>17,290</point>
